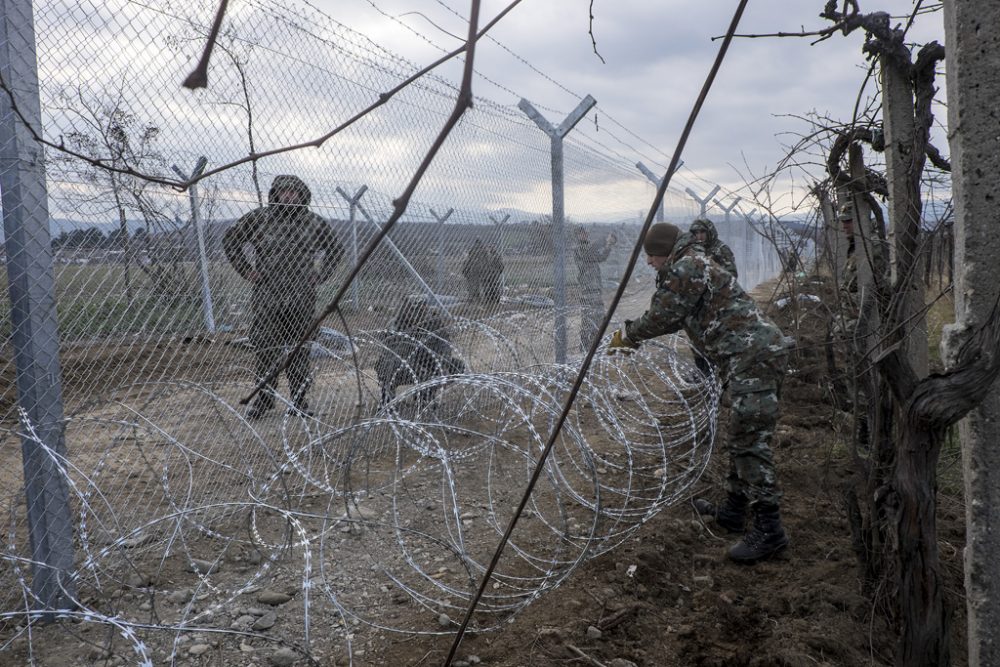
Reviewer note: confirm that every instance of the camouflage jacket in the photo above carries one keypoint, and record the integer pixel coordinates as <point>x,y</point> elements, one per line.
<point>588,259</point>
<point>694,294</point>
<point>718,251</point>
<point>286,242</point>
<point>482,262</point>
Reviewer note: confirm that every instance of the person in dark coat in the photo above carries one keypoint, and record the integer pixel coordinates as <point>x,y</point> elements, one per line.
<point>588,258</point>
<point>294,251</point>
<point>417,349</point>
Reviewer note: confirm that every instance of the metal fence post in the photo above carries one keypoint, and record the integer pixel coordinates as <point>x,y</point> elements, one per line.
<point>556,135</point>
<point>703,202</point>
<point>657,181</point>
<point>35,331</point>
<point>206,288</point>
<point>394,249</point>
<point>441,219</point>
<point>353,202</point>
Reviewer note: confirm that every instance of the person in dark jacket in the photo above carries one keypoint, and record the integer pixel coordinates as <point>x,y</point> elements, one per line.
<point>417,349</point>
<point>588,259</point>
<point>696,295</point>
<point>483,272</point>
<point>705,233</point>
<point>294,251</point>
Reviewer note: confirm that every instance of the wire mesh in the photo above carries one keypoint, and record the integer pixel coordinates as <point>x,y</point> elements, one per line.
<point>363,490</point>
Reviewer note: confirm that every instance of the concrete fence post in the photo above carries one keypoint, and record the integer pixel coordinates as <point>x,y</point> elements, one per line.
<point>973,61</point>
<point>35,331</point>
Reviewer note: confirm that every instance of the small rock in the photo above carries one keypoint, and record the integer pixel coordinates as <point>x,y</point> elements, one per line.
<point>198,649</point>
<point>266,622</point>
<point>137,541</point>
<point>685,630</point>
<point>181,596</point>
<point>146,606</point>
<point>273,598</point>
<point>137,580</point>
<point>474,659</point>
<point>203,566</point>
<point>460,663</point>
<point>284,657</point>
<point>98,653</point>
<point>593,633</point>
<point>246,648</point>
<point>361,513</point>
<point>622,662</point>
<point>444,621</point>
<point>243,621</point>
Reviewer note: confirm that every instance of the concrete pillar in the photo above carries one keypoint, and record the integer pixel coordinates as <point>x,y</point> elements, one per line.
<point>904,205</point>
<point>973,60</point>
<point>35,330</point>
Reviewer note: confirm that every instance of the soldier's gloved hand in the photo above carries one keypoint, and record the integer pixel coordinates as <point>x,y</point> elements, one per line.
<point>620,344</point>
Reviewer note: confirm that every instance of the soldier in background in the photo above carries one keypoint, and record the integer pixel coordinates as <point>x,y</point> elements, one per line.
<point>588,264</point>
<point>695,294</point>
<point>287,241</point>
<point>483,273</point>
<point>705,233</point>
<point>417,349</point>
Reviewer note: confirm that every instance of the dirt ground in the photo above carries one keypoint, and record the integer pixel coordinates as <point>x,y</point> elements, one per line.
<point>666,596</point>
<point>685,605</point>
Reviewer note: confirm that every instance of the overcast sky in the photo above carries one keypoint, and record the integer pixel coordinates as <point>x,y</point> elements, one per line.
<point>657,55</point>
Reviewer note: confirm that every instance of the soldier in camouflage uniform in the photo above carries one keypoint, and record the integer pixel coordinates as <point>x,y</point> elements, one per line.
<point>417,348</point>
<point>588,264</point>
<point>287,240</point>
<point>694,294</point>
<point>705,233</point>
<point>483,272</point>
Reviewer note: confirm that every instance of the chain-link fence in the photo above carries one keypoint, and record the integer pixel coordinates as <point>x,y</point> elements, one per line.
<point>373,470</point>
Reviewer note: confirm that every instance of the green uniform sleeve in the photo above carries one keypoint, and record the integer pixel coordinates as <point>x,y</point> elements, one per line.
<point>234,240</point>
<point>675,299</point>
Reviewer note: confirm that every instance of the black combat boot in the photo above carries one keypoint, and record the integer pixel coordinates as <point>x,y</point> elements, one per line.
<point>260,406</point>
<point>730,515</point>
<point>764,539</point>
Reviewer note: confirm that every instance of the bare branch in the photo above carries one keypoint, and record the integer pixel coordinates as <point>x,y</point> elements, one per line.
<point>592,40</point>
<point>198,78</point>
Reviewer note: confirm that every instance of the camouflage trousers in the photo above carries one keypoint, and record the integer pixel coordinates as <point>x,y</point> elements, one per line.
<point>755,390</point>
<point>280,322</point>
